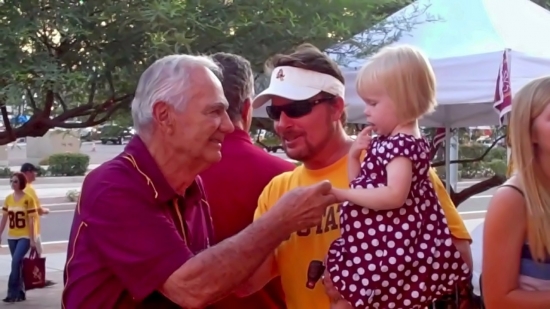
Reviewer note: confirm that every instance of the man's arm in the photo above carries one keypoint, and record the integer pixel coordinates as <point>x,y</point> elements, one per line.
<point>459,232</point>
<point>261,277</point>
<point>41,210</point>
<point>219,270</point>
<point>456,224</point>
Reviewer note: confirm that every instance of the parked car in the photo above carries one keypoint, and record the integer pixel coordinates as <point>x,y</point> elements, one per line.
<point>114,134</point>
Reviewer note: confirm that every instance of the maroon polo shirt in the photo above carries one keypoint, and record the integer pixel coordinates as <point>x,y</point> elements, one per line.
<point>130,232</point>
<point>233,187</point>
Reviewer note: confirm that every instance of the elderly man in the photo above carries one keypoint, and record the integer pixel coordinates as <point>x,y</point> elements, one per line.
<point>307,104</point>
<point>141,232</point>
<point>234,184</point>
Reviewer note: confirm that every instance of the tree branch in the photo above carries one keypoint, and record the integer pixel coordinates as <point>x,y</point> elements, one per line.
<point>32,102</point>
<point>480,187</point>
<point>6,120</point>
<point>463,161</point>
<point>40,122</point>
<point>110,82</point>
<point>61,102</point>
<point>93,86</point>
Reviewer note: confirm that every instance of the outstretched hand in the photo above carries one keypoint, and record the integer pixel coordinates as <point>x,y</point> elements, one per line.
<point>304,207</point>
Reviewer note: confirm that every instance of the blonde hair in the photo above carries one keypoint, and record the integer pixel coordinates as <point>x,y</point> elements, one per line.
<point>407,76</point>
<point>527,105</point>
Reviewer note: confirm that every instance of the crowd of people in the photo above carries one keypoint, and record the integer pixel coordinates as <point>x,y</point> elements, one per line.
<point>21,214</point>
<point>193,215</point>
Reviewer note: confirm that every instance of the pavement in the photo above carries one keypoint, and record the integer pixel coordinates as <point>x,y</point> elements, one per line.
<point>46,298</point>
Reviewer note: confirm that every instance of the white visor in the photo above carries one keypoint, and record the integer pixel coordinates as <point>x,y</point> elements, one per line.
<point>298,84</point>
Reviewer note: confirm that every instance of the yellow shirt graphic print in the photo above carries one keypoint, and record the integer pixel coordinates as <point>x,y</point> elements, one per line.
<point>294,255</point>
<point>19,212</point>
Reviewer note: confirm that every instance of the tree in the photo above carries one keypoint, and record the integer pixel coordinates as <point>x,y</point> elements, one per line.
<point>68,60</point>
<point>464,137</point>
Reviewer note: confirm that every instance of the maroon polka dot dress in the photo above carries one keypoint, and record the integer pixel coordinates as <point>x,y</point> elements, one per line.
<point>400,258</point>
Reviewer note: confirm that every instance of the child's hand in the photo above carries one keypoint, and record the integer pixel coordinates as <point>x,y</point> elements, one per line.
<point>340,194</point>
<point>361,143</point>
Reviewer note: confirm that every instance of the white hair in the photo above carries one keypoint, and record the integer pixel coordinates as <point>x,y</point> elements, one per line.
<point>168,80</point>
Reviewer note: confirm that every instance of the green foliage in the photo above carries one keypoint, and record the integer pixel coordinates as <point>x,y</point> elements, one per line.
<point>5,172</point>
<point>498,166</point>
<point>68,164</point>
<point>45,161</point>
<point>81,59</point>
<point>494,163</point>
<point>42,172</point>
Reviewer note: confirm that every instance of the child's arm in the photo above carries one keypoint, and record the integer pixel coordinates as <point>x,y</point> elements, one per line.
<point>354,167</point>
<point>392,196</point>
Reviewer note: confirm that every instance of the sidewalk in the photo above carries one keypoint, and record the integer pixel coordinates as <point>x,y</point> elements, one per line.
<point>46,298</point>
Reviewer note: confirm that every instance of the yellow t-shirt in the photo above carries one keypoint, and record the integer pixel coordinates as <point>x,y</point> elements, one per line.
<point>19,213</point>
<point>294,255</point>
<point>30,191</point>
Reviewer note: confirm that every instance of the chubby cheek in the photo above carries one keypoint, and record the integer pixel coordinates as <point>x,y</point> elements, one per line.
<point>371,113</point>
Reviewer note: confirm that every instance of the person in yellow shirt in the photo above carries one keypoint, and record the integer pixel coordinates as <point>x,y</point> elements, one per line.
<point>306,94</point>
<point>30,171</point>
<point>19,211</point>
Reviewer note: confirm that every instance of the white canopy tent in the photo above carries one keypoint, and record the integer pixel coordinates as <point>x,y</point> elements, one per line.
<point>465,41</point>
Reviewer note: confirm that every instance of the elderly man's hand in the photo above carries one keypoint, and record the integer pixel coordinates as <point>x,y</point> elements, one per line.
<point>304,207</point>
<point>336,300</point>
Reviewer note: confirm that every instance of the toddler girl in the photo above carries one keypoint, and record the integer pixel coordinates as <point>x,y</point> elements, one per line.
<point>396,249</point>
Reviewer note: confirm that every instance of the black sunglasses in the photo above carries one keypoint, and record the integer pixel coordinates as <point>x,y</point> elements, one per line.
<point>295,109</point>
<point>14,181</point>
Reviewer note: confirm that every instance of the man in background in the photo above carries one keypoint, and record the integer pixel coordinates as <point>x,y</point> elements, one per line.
<point>30,171</point>
<point>234,184</point>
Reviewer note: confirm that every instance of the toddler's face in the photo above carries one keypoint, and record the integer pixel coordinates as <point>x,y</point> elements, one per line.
<point>380,110</point>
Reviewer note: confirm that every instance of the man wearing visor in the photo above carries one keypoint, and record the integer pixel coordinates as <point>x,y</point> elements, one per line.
<point>306,100</point>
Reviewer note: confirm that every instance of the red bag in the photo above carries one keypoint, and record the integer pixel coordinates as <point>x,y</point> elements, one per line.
<point>34,271</point>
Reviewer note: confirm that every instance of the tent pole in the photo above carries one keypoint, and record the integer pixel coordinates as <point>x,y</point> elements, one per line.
<point>448,157</point>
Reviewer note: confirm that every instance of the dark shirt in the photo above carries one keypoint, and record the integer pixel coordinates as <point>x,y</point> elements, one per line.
<point>233,186</point>
<point>130,232</point>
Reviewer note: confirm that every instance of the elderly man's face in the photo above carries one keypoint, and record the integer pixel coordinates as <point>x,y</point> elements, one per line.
<point>198,129</point>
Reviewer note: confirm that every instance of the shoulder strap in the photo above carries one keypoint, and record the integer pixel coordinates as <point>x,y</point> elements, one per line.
<point>514,187</point>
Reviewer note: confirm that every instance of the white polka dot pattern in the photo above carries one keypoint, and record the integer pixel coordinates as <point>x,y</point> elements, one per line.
<point>401,258</point>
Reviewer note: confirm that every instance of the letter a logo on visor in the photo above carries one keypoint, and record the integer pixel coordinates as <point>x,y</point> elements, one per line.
<point>280,75</point>
<point>297,84</point>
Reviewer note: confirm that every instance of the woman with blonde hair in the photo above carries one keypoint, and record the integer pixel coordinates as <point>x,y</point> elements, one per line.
<point>516,240</point>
